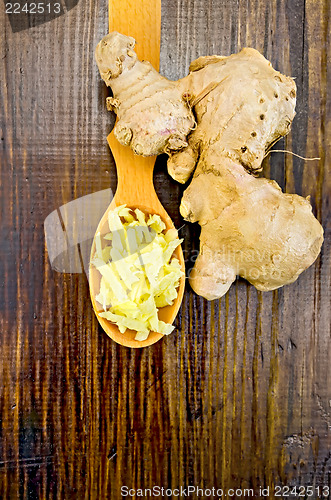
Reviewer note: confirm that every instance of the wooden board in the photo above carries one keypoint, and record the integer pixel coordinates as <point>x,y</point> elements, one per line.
<point>240,395</point>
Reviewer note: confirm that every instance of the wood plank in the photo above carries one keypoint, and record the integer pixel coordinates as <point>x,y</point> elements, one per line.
<point>239,395</point>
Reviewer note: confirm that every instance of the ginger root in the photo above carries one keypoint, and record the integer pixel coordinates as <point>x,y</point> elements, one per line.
<point>218,122</point>
<point>152,117</point>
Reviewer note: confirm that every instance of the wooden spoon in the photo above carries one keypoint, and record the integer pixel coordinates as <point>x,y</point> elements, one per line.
<point>140,19</point>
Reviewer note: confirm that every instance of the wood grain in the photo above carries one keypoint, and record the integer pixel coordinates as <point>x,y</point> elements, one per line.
<point>239,395</point>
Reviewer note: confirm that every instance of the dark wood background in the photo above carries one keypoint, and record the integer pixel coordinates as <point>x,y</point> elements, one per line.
<point>240,394</point>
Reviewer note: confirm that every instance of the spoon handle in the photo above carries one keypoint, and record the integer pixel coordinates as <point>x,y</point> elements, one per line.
<point>134,176</point>
<point>140,19</point>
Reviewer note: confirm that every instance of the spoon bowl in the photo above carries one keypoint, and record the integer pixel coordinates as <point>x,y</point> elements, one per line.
<point>135,189</point>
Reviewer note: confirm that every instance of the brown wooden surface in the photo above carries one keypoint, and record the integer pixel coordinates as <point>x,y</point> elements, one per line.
<point>240,394</point>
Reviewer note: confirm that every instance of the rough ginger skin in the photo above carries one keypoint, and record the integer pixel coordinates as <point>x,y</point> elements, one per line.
<point>241,105</point>
<point>151,115</point>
